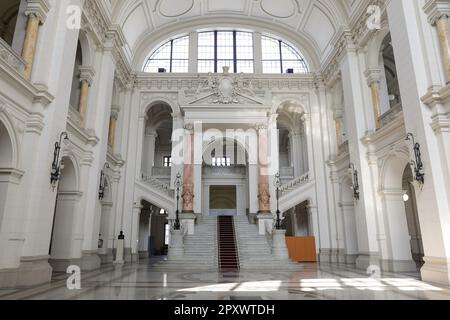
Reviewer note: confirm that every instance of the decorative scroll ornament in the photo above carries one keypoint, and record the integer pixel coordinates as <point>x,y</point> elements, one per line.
<point>226,88</point>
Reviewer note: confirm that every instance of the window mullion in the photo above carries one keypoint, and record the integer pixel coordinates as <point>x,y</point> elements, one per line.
<point>215,52</point>
<point>171,55</point>
<point>281,55</point>
<point>235,51</point>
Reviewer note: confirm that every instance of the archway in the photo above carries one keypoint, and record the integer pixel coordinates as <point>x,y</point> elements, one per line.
<point>225,175</point>
<point>293,145</point>
<point>396,253</point>
<point>107,235</point>
<point>6,164</point>
<point>154,231</point>
<point>347,206</point>
<point>412,217</point>
<point>157,146</point>
<point>65,248</point>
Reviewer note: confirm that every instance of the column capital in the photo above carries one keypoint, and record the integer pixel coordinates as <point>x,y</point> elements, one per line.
<point>261,127</point>
<point>189,127</point>
<point>115,108</point>
<point>373,75</point>
<point>436,9</point>
<point>38,8</point>
<point>87,74</point>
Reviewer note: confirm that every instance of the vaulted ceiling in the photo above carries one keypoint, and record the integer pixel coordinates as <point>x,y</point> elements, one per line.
<point>309,24</point>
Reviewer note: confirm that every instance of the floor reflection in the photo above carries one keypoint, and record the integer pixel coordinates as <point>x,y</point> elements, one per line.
<point>142,282</point>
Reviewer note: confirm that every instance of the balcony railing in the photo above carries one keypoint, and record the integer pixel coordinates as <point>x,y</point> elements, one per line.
<point>8,55</point>
<point>391,114</point>
<point>161,171</point>
<point>295,184</point>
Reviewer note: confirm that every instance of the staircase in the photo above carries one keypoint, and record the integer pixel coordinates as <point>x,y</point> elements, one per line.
<point>255,250</point>
<point>200,250</point>
<point>228,255</point>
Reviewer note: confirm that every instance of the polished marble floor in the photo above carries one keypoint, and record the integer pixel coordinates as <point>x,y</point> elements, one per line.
<point>310,282</point>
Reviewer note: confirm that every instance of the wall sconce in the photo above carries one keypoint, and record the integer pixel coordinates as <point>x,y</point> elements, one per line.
<point>56,165</point>
<point>417,164</point>
<point>355,181</point>
<point>103,182</point>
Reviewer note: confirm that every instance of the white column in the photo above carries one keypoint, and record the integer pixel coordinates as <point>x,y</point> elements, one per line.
<point>198,164</point>
<point>350,237</point>
<point>140,146</point>
<point>98,121</point>
<point>28,242</point>
<point>296,151</point>
<point>433,201</point>
<point>150,141</point>
<point>355,107</point>
<point>313,219</point>
<point>134,236</point>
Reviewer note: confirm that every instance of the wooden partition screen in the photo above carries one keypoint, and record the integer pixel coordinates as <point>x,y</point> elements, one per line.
<point>302,249</point>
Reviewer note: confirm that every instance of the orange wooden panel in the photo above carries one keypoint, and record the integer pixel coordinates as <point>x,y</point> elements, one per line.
<point>302,249</point>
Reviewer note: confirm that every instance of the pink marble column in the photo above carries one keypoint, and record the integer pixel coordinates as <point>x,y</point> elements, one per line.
<point>188,176</point>
<point>263,185</point>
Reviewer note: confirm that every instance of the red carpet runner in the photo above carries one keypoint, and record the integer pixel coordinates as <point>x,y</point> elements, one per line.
<point>228,252</point>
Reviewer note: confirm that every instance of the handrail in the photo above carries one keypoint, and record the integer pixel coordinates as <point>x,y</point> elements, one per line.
<point>157,184</point>
<point>296,183</point>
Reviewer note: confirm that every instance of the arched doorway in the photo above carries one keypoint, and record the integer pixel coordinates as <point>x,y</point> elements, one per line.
<point>6,164</point>
<point>157,146</point>
<point>225,175</point>
<point>412,217</point>
<point>347,207</point>
<point>293,145</point>
<point>106,236</point>
<point>65,245</point>
<point>399,218</point>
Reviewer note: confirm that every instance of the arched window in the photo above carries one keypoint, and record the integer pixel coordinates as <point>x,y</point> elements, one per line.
<point>279,57</point>
<point>173,56</point>
<point>217,49</point>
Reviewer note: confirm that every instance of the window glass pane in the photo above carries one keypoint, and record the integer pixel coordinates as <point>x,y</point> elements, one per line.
<point>270,48</point>
<point>178,50</point>
<point>181,48</point>
<point>225,63</point>
<point>245,66</point>
<point>205,66</point>
<point>244,45</point>
<point>272,55</point>
<point>225,45</point>
<point>271,66</point>
<point>206,45</point>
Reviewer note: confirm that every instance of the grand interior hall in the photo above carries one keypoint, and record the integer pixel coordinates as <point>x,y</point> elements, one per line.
<point>225,149</point>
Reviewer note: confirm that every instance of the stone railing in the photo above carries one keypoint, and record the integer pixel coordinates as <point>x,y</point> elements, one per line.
<point>161,171</point>
<point>286,172</point>
<point>227,171</point>
<point>11,58</point>
<point>295,184</point>
<point>74,115</point>
<point>158,185</point>
<point>391,114</point>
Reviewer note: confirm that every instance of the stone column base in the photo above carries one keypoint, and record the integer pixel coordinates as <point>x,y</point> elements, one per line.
<point>32,271</point>
<point>108,257</point>
<point>90,261</point>
<point>398,265</point>
<point>129,256</point>
<point>252,218</point>
<point>364,261</point>
<point>263,220</point>
<point>350,258</point>
<point>176,248</point>
<point>61,265</point>
<point>324,255</point>
<point>188,221</point>
<point>279,247</point>
<point>436,270</point>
